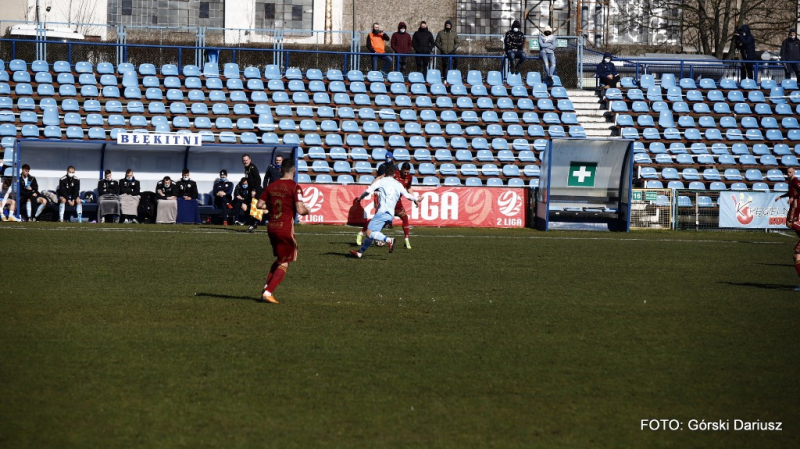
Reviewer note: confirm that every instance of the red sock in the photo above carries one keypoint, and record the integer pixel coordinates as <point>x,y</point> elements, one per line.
<point>277,277</point>
<point>797,266</point>
<point>364,229</point>
<point>271,272</point>
<point>404,218</point>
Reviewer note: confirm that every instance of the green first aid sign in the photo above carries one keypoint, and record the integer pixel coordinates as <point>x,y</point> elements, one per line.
<point>582,174</point>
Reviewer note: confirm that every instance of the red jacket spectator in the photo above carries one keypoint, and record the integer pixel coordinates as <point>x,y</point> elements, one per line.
<point>401,41</point>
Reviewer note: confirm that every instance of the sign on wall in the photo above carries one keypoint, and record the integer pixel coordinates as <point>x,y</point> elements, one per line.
<point>439,206</point>
<point>752,210</point>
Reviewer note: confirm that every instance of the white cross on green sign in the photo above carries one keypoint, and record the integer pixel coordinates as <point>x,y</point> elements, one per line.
<point>582,174</point>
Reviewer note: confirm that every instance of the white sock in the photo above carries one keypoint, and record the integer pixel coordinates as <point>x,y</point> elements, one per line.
<point>40,209</point>
<point>378,236</point>
<point>28,208</point>
<point>79,208</point>
<point>61,207</point>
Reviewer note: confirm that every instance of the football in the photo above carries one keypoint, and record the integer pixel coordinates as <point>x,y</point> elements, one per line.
<point>379,243</point>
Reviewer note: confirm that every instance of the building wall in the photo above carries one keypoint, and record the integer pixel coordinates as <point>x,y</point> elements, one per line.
<point>389,13</point>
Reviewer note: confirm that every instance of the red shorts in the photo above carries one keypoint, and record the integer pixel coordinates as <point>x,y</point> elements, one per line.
<point>284,246</point>
<point>399,210</point>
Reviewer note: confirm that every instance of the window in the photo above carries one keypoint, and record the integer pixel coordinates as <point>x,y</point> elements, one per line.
<point>127,7</point>
<point>297,12</point>
<point>155,20</point>
<point>204,10</point>
<point>269,11</point>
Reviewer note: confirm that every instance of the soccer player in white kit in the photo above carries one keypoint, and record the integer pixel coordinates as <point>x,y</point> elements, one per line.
<point>389,192</point>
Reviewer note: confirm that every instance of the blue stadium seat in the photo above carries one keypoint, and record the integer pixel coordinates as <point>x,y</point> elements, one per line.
<point>30,131</point>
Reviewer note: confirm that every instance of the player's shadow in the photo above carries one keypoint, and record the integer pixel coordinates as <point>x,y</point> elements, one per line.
<point>782,265</point>
<point>218,296</point>
<point>340,254</point>
<point>761,285</point>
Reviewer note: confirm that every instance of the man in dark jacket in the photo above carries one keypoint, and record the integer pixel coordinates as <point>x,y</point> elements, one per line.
<point>746,44</point>
<point>423,44</point>
<point>69,192</point>
<point>188,209</point>
<point>273,172</point>
<point>242,201</point>
<point>790,53</point>
<point>223,195</point>
<point>447,44</point>
<point>607,72</point>
<point>512,46</point>
<point>29,193</point>
<point>376,44</point>
<point>108,198</point>
<point>401,43</point>
<point>129,196</point>
<point>167,195</point>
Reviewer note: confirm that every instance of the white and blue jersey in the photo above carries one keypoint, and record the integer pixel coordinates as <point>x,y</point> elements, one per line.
<point>389,192</point>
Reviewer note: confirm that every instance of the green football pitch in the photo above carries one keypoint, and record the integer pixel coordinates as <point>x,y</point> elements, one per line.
<point>150,336</point>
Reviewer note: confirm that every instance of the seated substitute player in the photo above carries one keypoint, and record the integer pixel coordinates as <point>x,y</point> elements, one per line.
<point>29,193</point>
<point>793,217</point>
<point>283,199</point>
<point>69,192</point>
<point>7,202</point>
<point>389,191</point>
<point>241,201</point>
<point>129,195</point>
<point>167,196</point>
<point>188,209</point>
<point>223,192</point>
<point>108,201</point>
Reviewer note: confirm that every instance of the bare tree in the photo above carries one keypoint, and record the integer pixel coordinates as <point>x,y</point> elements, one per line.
<point>707,26</point>
<point>80,14</point>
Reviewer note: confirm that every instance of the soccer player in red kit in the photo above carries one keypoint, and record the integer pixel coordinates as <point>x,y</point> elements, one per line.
<point>403,176</point>
<point>793,217</point>
<point>283,199</point>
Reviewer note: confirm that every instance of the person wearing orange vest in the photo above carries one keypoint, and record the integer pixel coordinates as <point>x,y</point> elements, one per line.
<point>376,44</point>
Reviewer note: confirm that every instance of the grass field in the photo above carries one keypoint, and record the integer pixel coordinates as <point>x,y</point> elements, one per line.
<point>149,336</point>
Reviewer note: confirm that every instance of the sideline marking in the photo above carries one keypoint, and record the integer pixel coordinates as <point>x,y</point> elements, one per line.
<point>234,231</point>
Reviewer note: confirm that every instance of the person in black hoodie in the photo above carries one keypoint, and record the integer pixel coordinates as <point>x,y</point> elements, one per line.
<point>423,44</point>
<point>167,195</point>
<point>188,209</point>
<point>241,201</point>
<point>746,44</point>
<point>223,195</point>
<point>512,46</point>
<point>607,72</point>
<point>790,52</point>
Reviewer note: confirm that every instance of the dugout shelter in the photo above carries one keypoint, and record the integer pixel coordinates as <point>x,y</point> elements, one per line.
<point>585,184</point>
<point>150,162</point>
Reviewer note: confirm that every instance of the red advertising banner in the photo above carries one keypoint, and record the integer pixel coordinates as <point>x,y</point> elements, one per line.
<point>481,207</point>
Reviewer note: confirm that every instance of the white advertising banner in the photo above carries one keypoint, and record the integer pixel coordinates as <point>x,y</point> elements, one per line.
<point>752,210</point>
<point>191,140</point>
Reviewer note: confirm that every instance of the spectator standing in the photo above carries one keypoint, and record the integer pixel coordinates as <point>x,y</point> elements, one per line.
<point>223,195</point>
<point>423,43</point>
<point>790,54</point>
<point>188,209</point>
<point>607,72</point>
<point>376,43</point>
<point>274,171</point>
<point>547,48</point>
<point>69,192</point>
<point>254,187</point>
<point>167,196</point>
<point>108,202</point>
<point>512,46</point>
<point>29,193</point>
<point>746,44</point>
<point>129,195</point>
<point>401,43</point>
<point>447,44</point>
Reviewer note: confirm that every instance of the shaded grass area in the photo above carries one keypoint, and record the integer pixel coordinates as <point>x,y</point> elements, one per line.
<point>150,336</point>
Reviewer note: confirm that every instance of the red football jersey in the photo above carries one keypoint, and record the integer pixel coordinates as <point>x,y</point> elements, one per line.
<point>404,180</point>
<point>794,188</point>
<point>281,197</point>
